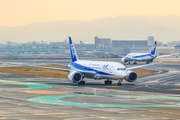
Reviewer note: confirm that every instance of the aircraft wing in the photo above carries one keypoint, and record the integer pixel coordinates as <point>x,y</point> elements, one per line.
<point>167,55</point>
<point>86,73</point>
<point>142,66</point>
<point>60,64</point>
<point>51,68</point>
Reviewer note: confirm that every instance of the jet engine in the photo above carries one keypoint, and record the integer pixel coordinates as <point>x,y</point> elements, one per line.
<point>131,76</point>
<point>124,60</point>
<point>75,77</point>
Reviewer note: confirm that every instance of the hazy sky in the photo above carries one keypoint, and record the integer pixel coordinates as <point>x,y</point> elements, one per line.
<point>22,12</point>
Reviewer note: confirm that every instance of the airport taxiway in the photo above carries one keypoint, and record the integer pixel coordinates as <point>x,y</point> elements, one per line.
<point>150,97</point>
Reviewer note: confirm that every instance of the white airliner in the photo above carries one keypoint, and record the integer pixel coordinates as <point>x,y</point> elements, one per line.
<point>140,57</point>
<point>79,69</point>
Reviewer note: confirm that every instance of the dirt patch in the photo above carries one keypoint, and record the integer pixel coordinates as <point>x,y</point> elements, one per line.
<point>143,72</point>
<point>32,71</point>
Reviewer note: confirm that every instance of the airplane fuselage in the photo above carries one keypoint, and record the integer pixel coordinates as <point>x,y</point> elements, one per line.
<point>140,57</point>
<point>102,70</point>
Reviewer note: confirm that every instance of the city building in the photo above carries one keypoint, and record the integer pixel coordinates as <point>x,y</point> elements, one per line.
<point>102,47</point>
<point>159,44</point>
<point>129,43</point>
<point>173,43</point>
<point>120,51</point>
<point>177,48</point>
<point>165,50</point>
<point>102,42</point>
<point>150,40</point>
<point>123,47</point>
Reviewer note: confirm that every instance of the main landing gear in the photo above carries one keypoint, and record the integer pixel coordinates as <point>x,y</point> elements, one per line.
<point>129,62</point>
<point>119,83</point>
<point>81,83</point>
<point>147,62</point>
<point>108,82</point>
<point>134,62</point>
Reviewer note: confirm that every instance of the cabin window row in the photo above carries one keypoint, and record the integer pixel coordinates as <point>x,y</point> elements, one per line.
<point>121,68</point>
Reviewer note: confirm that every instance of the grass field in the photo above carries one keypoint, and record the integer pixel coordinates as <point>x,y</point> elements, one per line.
<point>32,71</point>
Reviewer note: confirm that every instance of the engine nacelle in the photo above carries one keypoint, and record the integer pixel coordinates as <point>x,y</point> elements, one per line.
<point>75,77</point>
<point>124,60</point>
<point>131,76</point>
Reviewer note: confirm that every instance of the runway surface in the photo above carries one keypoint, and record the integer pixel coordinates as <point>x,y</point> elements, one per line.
<point>150,97</point>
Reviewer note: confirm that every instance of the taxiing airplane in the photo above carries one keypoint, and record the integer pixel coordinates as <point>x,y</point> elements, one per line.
<point>140,57</point>
<point>79,69</point>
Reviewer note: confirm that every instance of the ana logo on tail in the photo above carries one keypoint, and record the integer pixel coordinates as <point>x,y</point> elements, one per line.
<point>153,51</point>
<point>74,56</point>
<point>153,48</point>
<point>73,50</point>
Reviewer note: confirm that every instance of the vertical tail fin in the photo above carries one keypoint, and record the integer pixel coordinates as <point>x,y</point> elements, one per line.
<point>153,51</point>
<point>74,56</point>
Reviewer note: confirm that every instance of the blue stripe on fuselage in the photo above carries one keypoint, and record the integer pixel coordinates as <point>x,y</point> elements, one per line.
<point>141,56</point>
<point>84,68</point>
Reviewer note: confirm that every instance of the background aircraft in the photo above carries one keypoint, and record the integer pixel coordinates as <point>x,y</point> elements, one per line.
<point>79,69</point>
<point>139,57</point>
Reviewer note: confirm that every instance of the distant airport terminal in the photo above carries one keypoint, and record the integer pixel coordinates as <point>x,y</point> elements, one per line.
<point>103,48</point>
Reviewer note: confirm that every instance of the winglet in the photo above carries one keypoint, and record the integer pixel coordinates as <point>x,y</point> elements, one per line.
<point>74,56</point>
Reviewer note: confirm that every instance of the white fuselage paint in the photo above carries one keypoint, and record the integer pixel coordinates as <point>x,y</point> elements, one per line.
<point>110,70</point>
<point>132,57</point>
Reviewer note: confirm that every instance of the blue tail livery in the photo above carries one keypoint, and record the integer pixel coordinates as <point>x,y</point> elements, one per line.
<point>74,56</point>
<point>153,51</point>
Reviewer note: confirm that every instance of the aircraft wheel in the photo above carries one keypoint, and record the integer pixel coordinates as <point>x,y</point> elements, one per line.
<point>110,82</point>
<point>107,82</point>
<point>119,84</point>
<point>81,83</point>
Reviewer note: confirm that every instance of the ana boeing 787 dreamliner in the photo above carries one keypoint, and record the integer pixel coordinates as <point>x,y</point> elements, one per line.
<point>140,57</point>
<point>79,69</point>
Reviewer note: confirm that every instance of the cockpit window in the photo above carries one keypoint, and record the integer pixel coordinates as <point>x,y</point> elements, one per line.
<point>121,68</point>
